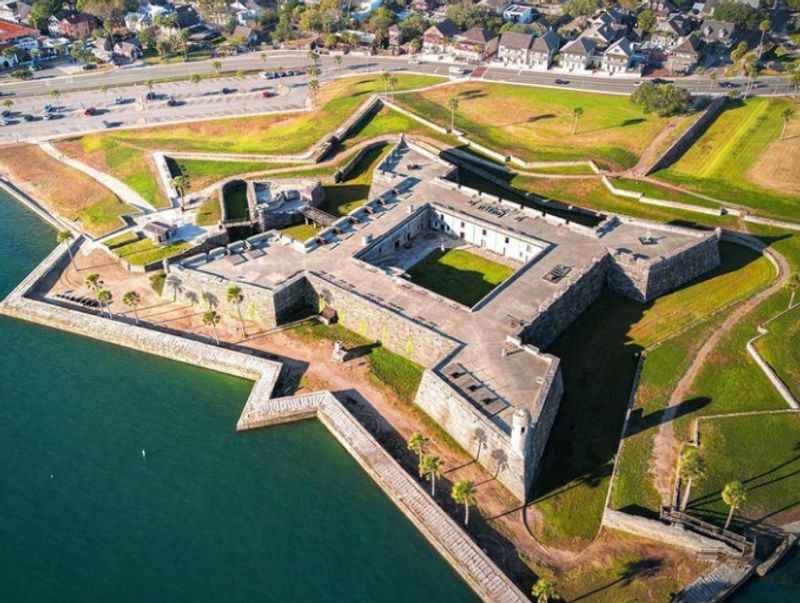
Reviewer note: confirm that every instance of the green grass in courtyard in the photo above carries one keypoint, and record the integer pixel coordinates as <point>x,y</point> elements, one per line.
<point>740,159</point>
<point>301,232</point>
<point>139,252</point>
<point>209,212</point>
<point>537,124</point>
<point>460,275</point>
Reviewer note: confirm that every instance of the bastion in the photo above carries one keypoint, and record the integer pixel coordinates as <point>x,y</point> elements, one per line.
<point>487,381</point>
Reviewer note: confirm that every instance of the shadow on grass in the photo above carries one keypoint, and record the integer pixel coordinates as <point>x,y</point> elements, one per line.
<point>641,568</point>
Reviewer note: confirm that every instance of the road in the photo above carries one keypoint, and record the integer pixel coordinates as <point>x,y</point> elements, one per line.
<point>205,99</point>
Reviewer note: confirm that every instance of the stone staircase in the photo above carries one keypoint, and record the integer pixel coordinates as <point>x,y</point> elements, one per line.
<point>717,584</point>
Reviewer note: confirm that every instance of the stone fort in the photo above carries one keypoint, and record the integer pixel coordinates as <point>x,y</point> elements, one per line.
<point>486,381</point>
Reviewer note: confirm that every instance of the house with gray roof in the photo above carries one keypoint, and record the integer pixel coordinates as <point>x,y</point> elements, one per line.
<point>472,46</point>
<point>684,56</point>
<point>579,55</point>
<point>514,49</point>
<point>718,32</point>
<point>619,58</point>
<point>436,39</point>
<point>543,50</point>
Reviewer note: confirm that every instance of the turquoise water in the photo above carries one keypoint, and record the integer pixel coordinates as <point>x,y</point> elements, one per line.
<point>282,514</point>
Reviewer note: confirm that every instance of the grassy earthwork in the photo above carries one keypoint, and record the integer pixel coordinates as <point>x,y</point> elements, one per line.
<point>65,191</point>
<point>747,158</point>
<point>301,232</point>
<point>785,360</point>
<point>459,275</point>
<point>141,251</point>
<point>537,124</point>
<point>353,192</point>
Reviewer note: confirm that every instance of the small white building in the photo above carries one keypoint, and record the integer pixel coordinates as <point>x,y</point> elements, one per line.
<point>514,49</point>
<point>618,58</point>
<point>518,13</point>
<point>579,55</point>
<point>543,50</point>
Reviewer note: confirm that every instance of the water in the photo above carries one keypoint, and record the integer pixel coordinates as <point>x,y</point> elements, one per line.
<point>781,584</point>
<point>204,514</point>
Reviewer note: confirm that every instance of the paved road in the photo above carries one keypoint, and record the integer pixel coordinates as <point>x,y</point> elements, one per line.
<point>289,59</point>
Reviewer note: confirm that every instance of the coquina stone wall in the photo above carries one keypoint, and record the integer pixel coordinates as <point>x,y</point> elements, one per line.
<point>480,436</point>
<point>644,280</point>
<point>566,305</point>
<point>398,333</point>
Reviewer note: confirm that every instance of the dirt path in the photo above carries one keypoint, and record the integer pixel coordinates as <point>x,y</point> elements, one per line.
<point>653,152</point>
<point>666,445</point>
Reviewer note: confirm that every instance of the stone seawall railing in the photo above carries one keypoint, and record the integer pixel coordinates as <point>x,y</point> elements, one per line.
<point>446,536</point>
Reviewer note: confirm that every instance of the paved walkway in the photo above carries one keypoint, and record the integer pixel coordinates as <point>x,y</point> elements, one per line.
<point>717,583</point>
<point>119,188</point>
<point>443,533</point>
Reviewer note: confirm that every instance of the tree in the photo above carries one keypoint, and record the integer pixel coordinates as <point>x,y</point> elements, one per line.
<point>692,468</point>
<point>236,298</point>
<point>577,8</point>
<point>338,59</point>
<point>795,79</point>
<point>132,299</point>
<point>55,93</point>
<point>8,103</point>
<point>763,27</point>
<point>209,300</point>
<point>418,443</point>
<point>787,114</point>
<point>452,103</point>
<point>104,297</point>
<point>741,14</point>
<point>196,79</point>
<point>734,496</point>
<point>463,493</point>
<point>180,182</point>
<point>42,10</point>
<point>431,467</point>
<point>93,282</point>
<point>663,99</point>
<point>174,283</point>
<point>65,236</point>
<point>544,590</point>
<point>577,112</point>
<point>313,89</point>
<point>646,20</point>
<point>217,65</point>
<point>211,319</point>
<point>389,81</point>
<point>792,285</point>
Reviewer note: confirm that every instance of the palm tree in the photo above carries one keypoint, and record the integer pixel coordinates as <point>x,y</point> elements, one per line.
<point>212,319</point>
<point>94,282</point>
<point>734,496</point>
<point>787,114</point>
<point>209,299</point>
<point>453,105</point>
<point>763,27</point>
<point>692,468</point>
<point>792,285</point>
<point>55,93</point>
<point>8,103</point>
<point>236,298</point>
<point>431,467</point>
<point>338,59</point>
<point>464,493</point>
<point>65,236</point>
<point>795,79</point>
<point>217,65</point>
<point>391,83</point>
<point>132,300</point>
<point>313,88</point>
<point>104,297</point>
<point>196,79</point>
<point>577,112</point>
<point>544,590</point>
<point>418,443</point>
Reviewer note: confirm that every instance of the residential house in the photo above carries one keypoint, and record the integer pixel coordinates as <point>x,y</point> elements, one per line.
<point>498,7</point>
<point>618,58</point>
<point>514,49</point>
<point>126,52</point>
<point>13,33</point>
<point>579,54</point>
<point>543,50</point>
<point>718,32</point>
<point>73,25</point>
<point>472,46</point>
<point>684,56</point>
<point>518,13</point>
<point>13,10</point>
<point>436,39</point>
<point>670,29</point>
<point>246,34</point>
<point>661,8</point>
<point>395,35</point>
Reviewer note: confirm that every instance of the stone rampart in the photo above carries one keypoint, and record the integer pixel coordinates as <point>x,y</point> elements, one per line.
<point>398,333</point>
<point>642,198</point>
<point>687,139</point>
<point>658,531</point>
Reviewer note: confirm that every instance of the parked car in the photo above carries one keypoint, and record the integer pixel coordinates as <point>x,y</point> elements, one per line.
<point>228,90</point>
<point>729,85</point>
<point>151,96</point>
<point>89,66</point>
<point>5,113</point>
<point>561,82</point>
<point>4,122</point>
<point>172,102</point>
<point>268,94</point>
<point>49,109</point>
<point>89,111</point>
<point>28,117</point>
<point>120,100</point>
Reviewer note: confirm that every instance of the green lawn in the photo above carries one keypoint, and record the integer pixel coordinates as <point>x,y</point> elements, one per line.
<point>537,124</point>
<point>201,173</point>
<point>301,232</point>
<point>736,150</point>
<point>769,445</point>
<point>140,252</point>
<point>784,359</point>
<point>567,170</point>
<point>460,275</point>
<point>209,212</point>
<point>353,192</point>
<point>661,192</point>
